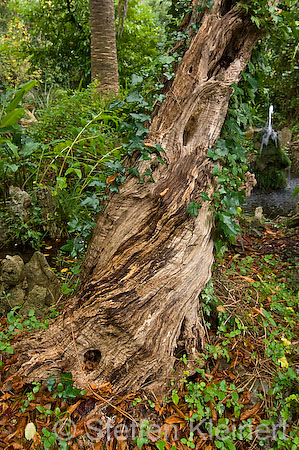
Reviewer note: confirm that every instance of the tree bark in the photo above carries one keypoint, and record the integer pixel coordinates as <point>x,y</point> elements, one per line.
<point>148,259</point>
<point>103,46</point>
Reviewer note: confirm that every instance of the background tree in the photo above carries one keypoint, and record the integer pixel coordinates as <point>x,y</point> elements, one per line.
<point>149,259</point>
<point>103,45</point>
<point>59,44</point>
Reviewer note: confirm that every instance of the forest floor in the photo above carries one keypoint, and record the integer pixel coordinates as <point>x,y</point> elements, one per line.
<point>245,394</point>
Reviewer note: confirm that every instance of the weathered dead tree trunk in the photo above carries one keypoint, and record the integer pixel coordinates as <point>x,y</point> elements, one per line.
<point>148,260</point>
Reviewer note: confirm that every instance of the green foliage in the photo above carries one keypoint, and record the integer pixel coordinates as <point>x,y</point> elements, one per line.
<point>275,57</point>
<point>50,440</point>
<point>272,179</point>
<point>15,146</point>
<point>63,388</point>
<point>79,157</point>
<point>59,42</point>
<point>17,323</point>
<point>137,45</point>
<point>143,434</point>
<point>4,15</point>
<point>230,175</point>
<point>15,64</point>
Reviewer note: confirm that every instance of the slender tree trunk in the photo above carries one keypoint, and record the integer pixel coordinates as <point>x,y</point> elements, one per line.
<point>148,259</point>
<point>103,46</point>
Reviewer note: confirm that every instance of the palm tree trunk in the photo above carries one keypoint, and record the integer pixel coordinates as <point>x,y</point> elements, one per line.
<point>103,46</point>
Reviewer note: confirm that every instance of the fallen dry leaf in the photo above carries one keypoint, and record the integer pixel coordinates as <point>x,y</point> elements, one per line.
<point>250,412</point>
<point>213,411</point>
<point>174,419</point>
<point>121,443</point>
<point>111,178</point>
<point>250,280</point>
<point>73,407</point>
<point>150,145</point>
<point>269,231</point>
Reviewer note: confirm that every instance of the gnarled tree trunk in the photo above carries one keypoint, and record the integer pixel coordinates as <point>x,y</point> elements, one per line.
<point>148,259</point>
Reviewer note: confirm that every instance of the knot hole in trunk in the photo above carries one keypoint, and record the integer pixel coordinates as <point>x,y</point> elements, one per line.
<point>92,359</point>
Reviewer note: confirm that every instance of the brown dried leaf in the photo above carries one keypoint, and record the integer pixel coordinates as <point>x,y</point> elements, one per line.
<point>17,446</point>
<point>111,178</point>
<point>231,375</point>
<point>246,397</point>
<point>213,411</point>
<point>17,383</point>
<point>269,231</point>
<point>251,412</point>
<point>122,443</point>
<point>180,413</point>
<point>148,144</point>
<point>250,280</point>
<point>73,407</point>
<point>174,419</point>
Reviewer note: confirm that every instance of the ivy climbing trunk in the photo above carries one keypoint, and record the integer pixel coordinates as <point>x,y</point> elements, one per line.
<point>103,46</point>
<point>148,259</point>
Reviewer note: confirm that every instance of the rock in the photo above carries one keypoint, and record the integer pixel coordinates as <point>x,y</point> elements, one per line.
<point>258,214</point>
<point>294,156</point>
<point>271,165</point>
<point>34,280</point>
<point>3,231</point>
<point>260,387</point>
<point>250,182</point>
<point>12,272</point>
<point>272,160</point>
<point>12,283</point>
<point>38,272</point>
<point>293,221</point>
<point>15,298</point>
<point>19,202</point>
<point>285,136</point>
<point>46,202</point>
<point>37,299</point>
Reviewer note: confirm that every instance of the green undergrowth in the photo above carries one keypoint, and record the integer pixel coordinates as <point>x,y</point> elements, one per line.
<point>245,391</point>
<point>76,150</point>
<point>17,324</point>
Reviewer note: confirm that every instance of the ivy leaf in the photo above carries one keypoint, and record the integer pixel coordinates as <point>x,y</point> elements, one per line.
<point>29,148</point>
<point>140,441</point>
<point>232,201</point>
<point>219,152</point>
<point>175,397</point>
<point>193,209</point>
<point>205,197</point>
<point>166,59</point>
<point>161,445</point>
<point>141,117</point>
<point>228,225</point>
<point>134,97</point>
<point>51,381</point>
<point>136,79</point>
